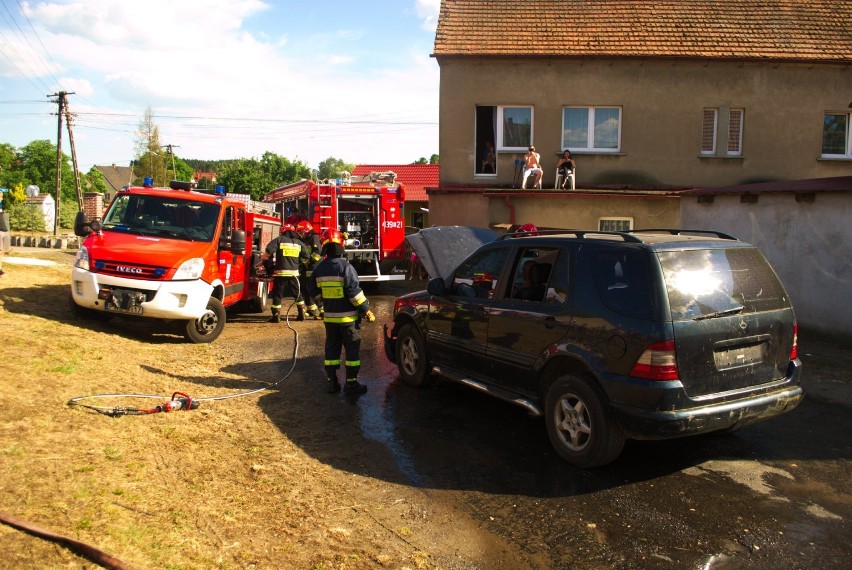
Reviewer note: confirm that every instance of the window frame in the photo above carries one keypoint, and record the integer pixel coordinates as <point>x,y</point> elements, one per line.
<point>591,144</point>
<point>500,146</point>
<point>602,219</point>
<point>738,151</point>
<point>704,126</point>
<point>847,135</point>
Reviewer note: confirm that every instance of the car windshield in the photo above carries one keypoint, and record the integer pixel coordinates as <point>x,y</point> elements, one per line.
<point>718,282</point>
<point>162,217</point>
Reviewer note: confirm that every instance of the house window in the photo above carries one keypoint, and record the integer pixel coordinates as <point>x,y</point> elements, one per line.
<point>710,127</point>
<point>708,131</point>
<point>836,141</point>
<point>615,224</point>
<point>514,128</point>
<point>596,129</point>
<point>485,135</point>
<point>735,132</point>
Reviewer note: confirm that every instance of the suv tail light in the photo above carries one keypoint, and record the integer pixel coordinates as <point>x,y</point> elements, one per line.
<point>794,352</point>
<point>658,362</point>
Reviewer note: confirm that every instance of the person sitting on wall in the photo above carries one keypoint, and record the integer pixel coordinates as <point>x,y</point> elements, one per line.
<point>565,166</point>
<point>532,167</point>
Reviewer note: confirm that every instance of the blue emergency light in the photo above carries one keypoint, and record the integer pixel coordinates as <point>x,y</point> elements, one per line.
<point>220,190</point>
<point>148,182</point>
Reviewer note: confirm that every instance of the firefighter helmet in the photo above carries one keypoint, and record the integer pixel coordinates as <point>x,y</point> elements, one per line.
<point>287,228</point>
<point>304,227</point>
<point>333,236</point>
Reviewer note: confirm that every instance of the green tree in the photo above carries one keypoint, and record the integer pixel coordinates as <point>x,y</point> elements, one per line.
<point>37,165</point>
<point>95,181</point>
<point>181,171</point>
<point>434,159</point>
<point>332,168</point>
<point>150,157</point>
<point>258,177</point>
<point>421,160</point>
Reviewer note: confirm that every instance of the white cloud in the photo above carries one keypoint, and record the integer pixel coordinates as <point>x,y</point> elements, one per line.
<point>429,10</point>
<point>296,95</point>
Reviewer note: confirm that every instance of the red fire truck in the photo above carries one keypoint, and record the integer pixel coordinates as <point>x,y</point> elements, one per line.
<point>368,209</point>
<point>174,253</point>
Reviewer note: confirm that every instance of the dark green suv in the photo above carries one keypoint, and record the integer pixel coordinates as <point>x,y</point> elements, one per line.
<point>646,334</point>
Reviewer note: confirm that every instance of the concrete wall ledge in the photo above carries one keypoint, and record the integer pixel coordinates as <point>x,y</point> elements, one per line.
<point>63,242</point>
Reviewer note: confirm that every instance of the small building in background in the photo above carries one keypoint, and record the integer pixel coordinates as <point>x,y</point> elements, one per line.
<point>43,206</point>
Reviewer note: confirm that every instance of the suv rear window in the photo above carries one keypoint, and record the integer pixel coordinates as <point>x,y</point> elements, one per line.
<point>623,281</point>
<point>707,281</point>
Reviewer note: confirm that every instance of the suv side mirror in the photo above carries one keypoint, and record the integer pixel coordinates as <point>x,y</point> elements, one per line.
<point>82,227</point>
<point>437,287</point>
<point>238,242</point>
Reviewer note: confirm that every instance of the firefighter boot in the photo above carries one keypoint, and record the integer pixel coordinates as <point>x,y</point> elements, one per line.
<point>333,385</point>
<point>276,318</point>
<point>301,315</point>
<point>354,388</point>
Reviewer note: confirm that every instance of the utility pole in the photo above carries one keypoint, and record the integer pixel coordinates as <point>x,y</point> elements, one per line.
<point>169,150</point>
<point>61,101</point>
<point>68,121</point>
<point>63,104</point>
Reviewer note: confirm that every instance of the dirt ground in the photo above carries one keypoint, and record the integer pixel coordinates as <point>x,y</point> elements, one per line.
<point>222,486</point>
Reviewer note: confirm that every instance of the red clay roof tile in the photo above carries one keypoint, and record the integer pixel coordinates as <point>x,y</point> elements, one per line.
<point>803,30</point>
<point>416,177</point>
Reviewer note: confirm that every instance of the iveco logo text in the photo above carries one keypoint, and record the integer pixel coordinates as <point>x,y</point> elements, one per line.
<point>124,269</point>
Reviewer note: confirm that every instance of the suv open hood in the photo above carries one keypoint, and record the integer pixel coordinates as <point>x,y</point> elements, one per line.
<point>442,248</point>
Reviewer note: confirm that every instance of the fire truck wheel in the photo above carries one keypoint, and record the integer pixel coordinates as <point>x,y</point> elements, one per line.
<point>208,326</point>
<point>258,304</point>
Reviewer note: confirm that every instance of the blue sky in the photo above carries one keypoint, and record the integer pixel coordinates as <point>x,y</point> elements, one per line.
<point>305,79</point>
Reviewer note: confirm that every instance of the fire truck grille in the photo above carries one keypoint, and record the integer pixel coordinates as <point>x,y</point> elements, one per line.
<point>133,271</point>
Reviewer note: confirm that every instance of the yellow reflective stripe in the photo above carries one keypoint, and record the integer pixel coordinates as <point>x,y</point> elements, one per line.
<point>358,299</point>
<point>332,362</point>
<point>341,320</point>
<point>353,363</point>
<point>316,257</point>
<point>290,249</point>
<point>330,289</point>
<point>286,273</point>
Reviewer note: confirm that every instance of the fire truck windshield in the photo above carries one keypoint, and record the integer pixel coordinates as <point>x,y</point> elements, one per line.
<point>162,217</point>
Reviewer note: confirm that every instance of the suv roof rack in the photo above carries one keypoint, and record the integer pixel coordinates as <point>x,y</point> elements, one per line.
<point>677,232</point>
<point>580,234</point>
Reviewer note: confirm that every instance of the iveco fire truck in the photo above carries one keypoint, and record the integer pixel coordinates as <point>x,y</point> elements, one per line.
<point>367,209</point>
<point>174,253</point>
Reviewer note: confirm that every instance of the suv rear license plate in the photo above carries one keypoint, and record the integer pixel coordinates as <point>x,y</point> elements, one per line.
<point>737,356</point>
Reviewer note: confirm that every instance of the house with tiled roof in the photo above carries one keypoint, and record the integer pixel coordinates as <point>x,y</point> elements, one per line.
<point>116,177</point>
<point>665,93</point>
<point>655,99</point>
<point>417,178</point>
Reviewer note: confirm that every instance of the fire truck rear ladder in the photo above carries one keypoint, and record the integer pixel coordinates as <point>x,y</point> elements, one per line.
<point>325,194</point>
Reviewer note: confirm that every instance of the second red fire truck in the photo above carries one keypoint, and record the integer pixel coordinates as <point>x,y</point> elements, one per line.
<point>367,209</point>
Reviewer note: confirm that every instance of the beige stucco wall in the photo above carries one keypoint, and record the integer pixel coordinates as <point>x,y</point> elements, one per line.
<point>662,107</point>
<point>459,209</point>
<point>808,244</point>
<point>583,211</point>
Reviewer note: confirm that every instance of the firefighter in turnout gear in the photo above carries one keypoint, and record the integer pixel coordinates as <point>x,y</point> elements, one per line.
<point>345,305</point>
<point>312,241</point>
<point>287,253</point>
